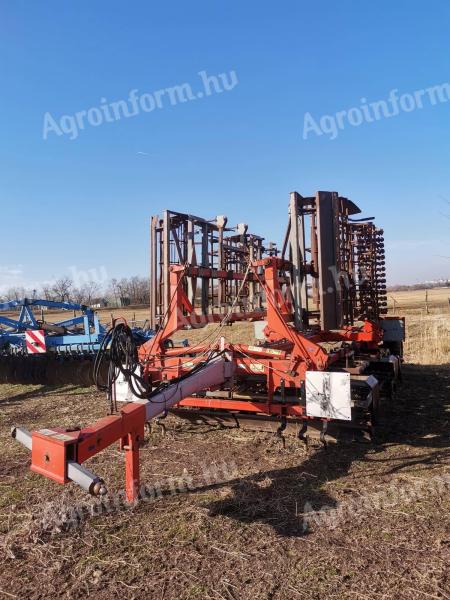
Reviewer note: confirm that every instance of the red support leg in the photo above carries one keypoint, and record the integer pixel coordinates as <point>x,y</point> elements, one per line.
<point>132,480</point>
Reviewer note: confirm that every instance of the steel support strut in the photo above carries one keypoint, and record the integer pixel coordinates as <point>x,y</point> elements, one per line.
<point>132,479</point>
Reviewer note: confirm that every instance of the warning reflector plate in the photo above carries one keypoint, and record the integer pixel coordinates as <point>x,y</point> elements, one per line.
<point>35,341</point>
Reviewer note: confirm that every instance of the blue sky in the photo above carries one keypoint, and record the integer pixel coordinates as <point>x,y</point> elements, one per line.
<point>85,203</point>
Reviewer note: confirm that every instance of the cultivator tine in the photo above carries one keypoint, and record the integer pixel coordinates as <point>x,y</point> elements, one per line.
<point>279,431</point>
<point>302,435</point>
<point>162,426</point>
<point>323,434</point>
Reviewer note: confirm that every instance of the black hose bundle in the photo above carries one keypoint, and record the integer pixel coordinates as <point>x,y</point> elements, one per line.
<point>119,349</point>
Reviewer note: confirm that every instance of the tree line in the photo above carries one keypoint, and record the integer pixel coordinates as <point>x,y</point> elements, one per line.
<point>118,292</point>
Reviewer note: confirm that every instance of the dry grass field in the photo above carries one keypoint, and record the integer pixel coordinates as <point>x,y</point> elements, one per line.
<point>417,299</point>
<point>259,521</point>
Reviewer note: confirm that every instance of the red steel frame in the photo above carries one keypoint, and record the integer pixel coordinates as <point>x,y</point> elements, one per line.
<point>283,362</point>
<point>280,365</point>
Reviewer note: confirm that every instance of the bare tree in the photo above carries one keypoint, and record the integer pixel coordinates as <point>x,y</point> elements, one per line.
<point>78,295</point>
<point>16,293</point>
<point>113,290</point>
<point>91,289</point>
<point>86,293</point>
<point>62,289</point>
<point>46,292</point>
<point>135,289</point>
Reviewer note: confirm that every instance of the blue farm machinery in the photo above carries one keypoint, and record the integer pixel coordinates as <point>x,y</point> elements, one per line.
<point>34,350</point>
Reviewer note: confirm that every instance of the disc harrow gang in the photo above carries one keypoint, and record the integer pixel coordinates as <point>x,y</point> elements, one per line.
<point>47,370</point>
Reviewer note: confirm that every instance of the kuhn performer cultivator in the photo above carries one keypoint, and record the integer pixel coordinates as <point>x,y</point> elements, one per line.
<point>326,358</point>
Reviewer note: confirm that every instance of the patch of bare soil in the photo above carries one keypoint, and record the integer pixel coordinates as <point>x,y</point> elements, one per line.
<point>230,514</point>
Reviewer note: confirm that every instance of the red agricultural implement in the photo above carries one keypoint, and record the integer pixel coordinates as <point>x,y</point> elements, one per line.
<point>327,355</point>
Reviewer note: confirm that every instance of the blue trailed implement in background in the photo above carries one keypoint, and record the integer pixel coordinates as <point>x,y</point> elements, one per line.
<point>82,333</point>
<point>33,350</point>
